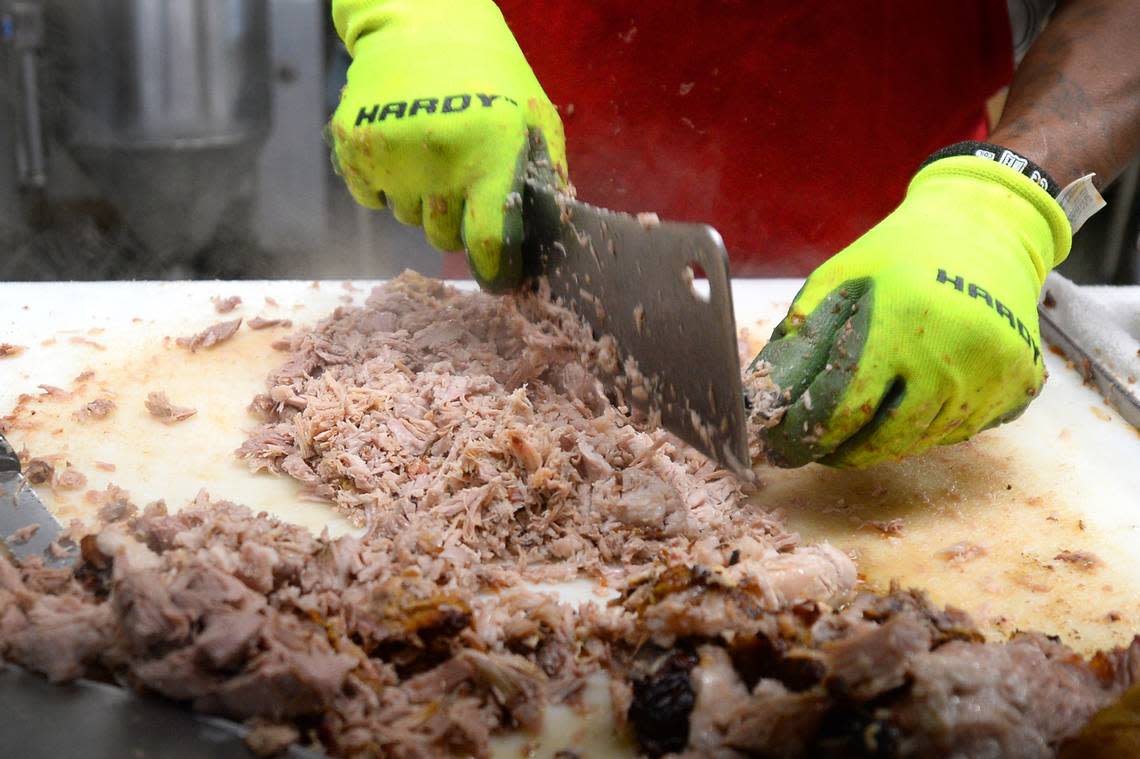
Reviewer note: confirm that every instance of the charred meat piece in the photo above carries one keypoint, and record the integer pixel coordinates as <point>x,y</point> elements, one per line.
<point>663,698</point>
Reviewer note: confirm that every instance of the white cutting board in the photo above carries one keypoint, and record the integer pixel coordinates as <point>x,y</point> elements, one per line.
<point>1066,476</point>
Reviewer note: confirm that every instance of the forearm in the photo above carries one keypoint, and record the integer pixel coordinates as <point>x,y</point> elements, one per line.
<point>1074,104</point>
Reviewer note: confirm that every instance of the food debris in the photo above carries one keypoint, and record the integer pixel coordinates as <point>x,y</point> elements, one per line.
<point>23,535</point>
<point>77,340</point>
<point>1084,560</point>
<point>271,738</point>
<point>961,552</point>
<point>58,549</point>
<point>1100,414</point>
<point>258,322</point>
<point>225,305</point>
<point>38,471</point>
<point>100,408</point>
<point>159,406</point>
<point>887,528</point>
<point>648,220</point>
<point>211,336</point>
<point>105,466</point>
<point>55,393</point>
<point>69,479</point>
<point>8,350</point>
<point>639,318</point>
<point>270,301</point>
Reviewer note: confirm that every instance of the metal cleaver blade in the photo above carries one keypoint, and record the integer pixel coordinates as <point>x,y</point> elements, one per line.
<point>633,279</point>
<point>21,507</point>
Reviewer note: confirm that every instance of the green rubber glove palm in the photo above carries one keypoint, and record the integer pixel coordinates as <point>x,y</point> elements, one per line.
<point>923,331</point>
<point>438,120</point>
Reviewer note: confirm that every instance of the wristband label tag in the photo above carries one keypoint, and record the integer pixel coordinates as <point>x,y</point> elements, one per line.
<point>1080,200</point>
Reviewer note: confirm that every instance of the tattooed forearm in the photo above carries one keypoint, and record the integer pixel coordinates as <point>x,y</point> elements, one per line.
<point>1074,105</point>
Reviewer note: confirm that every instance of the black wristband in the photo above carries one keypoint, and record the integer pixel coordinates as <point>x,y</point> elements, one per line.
<point>998,154</point>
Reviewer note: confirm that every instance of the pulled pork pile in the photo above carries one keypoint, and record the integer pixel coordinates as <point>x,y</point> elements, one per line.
<point>247,617</point>
<point>471,427</point>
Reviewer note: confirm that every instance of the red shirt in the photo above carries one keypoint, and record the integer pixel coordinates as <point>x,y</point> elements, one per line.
<point>791,126</point>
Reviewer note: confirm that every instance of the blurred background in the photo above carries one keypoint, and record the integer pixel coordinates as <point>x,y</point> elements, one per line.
<point>146,139</point>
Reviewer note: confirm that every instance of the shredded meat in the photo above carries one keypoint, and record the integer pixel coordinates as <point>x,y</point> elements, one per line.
<point>38,471</point>
<point>211,336</point>
<point>473,422</point>
<point>100,408</point>
<point>225,305</point>
<point>160,407</point>
<point>258,322</point>
<point>247,617</point>
<point>23,535</point>
<point>69,479</point>
<point>765,404</point>
<point>271,738</point>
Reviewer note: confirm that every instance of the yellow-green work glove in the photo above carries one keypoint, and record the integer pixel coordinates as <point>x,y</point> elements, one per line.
<point>437,122</point>
<point>924,330</point>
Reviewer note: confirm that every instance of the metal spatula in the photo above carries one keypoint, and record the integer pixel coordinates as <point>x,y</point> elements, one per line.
<point>20,507</point>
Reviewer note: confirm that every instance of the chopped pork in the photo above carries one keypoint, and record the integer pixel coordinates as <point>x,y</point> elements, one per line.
<point>159,406</point>
<point>472,422</point>
<point>259,322</point>
<point>211,336</point>
<point>100,408</point>
<point>23,534</point>
<point>38,471</point>
<point>225,305</point>
<point>69,479</point>
<point>247,617</point>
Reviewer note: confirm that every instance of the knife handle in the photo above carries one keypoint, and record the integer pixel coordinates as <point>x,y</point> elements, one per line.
<point>9,459</point>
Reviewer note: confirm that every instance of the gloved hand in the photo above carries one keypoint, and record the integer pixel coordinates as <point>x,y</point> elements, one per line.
<point>438,120</point>
<point>924,330</point>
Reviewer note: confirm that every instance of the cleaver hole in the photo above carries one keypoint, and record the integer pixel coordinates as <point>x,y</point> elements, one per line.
<point>697,281</point>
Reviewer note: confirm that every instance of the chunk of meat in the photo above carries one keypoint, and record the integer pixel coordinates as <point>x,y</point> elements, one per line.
<point>160,407</point>
<point>225,305</point>
<point>23,535</point>
<point>259,322</point>
<point>69,479</point>
<point>211,336</point>
<point>38,471</point>
<point>100,408</point>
